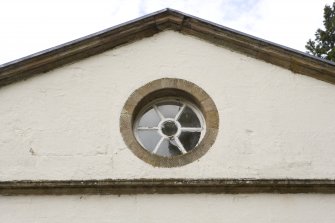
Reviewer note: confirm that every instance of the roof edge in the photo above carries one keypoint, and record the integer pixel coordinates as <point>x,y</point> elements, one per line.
<point>151,24</point>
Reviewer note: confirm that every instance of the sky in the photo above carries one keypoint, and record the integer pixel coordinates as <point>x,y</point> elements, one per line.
<point>27,27</point>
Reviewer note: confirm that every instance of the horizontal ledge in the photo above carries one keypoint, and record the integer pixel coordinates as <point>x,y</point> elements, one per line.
<point>167,186</point>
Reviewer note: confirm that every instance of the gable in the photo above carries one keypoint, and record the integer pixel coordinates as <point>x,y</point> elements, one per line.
<point>65,124</point>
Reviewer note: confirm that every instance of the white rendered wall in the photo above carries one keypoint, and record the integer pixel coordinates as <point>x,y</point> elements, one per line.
<point>65,124</point>
<point>262,208</point>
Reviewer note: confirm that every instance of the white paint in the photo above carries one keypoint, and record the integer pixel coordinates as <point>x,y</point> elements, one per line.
<point>65,124</point>
<point>263,208</point>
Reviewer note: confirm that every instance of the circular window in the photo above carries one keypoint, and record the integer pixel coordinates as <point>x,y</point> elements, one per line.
<point>169,122</point>
<point>169,127</point>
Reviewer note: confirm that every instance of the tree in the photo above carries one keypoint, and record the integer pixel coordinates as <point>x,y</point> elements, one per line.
<point>324,44</point>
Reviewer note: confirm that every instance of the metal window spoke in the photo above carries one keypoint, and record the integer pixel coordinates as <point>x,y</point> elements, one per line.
<point>180,111</point>
<point>158,145</point>
<point>161,116</point>
<point>180,145</point>
<point>147,128</point>
<point>191,129</point>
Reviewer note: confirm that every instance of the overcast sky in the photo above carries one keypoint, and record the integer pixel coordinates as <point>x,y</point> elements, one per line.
<point>31,26</point>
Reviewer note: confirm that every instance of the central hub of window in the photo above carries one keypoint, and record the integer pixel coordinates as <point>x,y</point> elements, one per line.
<point>169,128</point>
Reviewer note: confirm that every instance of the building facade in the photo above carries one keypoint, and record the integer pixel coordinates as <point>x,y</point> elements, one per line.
<point>167,118</point>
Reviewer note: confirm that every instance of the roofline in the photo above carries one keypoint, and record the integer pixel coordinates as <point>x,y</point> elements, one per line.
<point>254,37</point>
<point>96,34</point>
<point>151,24</point>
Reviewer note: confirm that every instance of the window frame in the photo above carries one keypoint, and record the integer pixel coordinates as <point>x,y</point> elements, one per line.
<point>163,88</point>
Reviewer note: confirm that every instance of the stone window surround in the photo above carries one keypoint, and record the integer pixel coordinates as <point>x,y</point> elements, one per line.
<point>169,87</point>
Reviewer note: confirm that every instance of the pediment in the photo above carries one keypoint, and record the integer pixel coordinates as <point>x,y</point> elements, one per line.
<point>65,128</point>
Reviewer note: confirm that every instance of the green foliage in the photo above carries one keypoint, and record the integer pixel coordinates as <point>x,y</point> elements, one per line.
<point>324,44</point>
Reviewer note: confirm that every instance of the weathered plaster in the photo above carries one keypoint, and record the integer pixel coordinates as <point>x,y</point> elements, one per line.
<point>65,124</point>
<point>262,208</point>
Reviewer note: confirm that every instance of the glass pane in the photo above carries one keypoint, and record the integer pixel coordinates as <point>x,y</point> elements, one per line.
<point>149,119</point>
<point>168,149</point>
<point>188,118</point>
<point>148,138</point>
<point>169,109</point>
<point>189,139</point>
